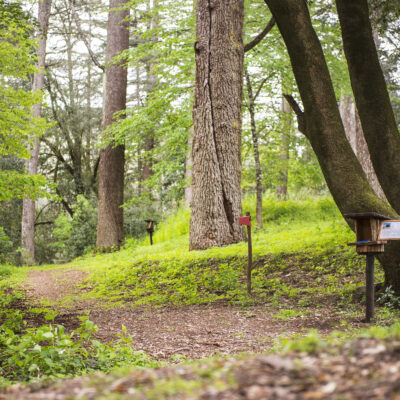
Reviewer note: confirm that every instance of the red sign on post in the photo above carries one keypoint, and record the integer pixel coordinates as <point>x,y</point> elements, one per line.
<point>245,221</point>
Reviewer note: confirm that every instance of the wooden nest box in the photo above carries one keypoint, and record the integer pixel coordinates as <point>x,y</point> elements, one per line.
<point>368,227</point>
<point>150,225</point>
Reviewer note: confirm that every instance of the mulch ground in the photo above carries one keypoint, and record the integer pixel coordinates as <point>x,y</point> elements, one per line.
<point>191,331</point>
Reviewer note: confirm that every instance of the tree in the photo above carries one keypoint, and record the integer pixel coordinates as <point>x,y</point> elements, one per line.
<point>28,207</point>
<point>17,124</point>
<point>69,154</point>
<point>110,230</point>
<point>371,95</point>
<point>321,123</point>
<point>216,151</point>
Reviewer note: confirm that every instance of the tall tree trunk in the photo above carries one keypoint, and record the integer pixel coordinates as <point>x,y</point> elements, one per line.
<point>216,204</point>
<point>286,115</point>
<point>322,124</point>
<point>371,95</point>
<point>355,136</point>
<point>28,207</point>
<point>110,230</point>
<point>254,135</point>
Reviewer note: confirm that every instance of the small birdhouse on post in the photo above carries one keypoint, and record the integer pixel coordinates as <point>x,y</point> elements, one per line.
<point>150,229</point>
<point>368,227</point>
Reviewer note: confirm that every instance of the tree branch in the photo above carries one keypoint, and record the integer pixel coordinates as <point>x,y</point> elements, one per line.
<point>260,36</point>
<point>84,38</point>
<point>57,153</point>
<point>44,223</point>
<point>261,86</point>
<point>298,111</point>
<point>68,209</point>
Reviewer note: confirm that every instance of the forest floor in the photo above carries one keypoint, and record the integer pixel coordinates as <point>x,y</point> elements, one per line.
<point>300,335</point>
<point>191,331</point>
<point>365,368</point>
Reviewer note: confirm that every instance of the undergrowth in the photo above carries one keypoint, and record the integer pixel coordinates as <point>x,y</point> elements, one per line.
<point>49,351</point>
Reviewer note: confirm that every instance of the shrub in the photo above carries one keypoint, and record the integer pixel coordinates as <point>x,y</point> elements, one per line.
<point>50,351</point>
<point>77,235</point>
<point>6,247</point>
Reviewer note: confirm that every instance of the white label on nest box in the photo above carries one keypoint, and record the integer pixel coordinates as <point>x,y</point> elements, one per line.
<point>390,230</point>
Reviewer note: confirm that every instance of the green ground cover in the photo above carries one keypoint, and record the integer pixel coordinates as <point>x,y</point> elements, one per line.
<point>301,251</point>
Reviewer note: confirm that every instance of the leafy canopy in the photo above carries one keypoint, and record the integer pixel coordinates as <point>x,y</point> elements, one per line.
<point>18,128</point>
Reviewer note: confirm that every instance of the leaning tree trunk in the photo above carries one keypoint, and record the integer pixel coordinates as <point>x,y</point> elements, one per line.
<point>322,124</point>
<point>371,95</point>
<point>321,121</point>
<point>28,207</point>
<point>216,172</point>
<point>110,230</point>
<point>376,114</point>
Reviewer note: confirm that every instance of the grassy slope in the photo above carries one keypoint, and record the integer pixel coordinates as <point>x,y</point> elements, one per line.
<point>300,253</point>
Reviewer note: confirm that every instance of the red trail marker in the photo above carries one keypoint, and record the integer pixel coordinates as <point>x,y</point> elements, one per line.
<point>245,221</point>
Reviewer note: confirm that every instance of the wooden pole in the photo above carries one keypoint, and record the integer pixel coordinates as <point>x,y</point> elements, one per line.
<point>250,256</point>
<point>151,238</point>
<point>369,288</point>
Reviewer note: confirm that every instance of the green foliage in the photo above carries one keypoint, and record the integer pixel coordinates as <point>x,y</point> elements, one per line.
<point>50,351</point>
<point>18,128</point>
<point>389,299</point>
<point>137,212</point>
<point>175,225</point>
<point>286,315</point>
<point>77,235</point>
<point>309,209</point>
<point>164,60</point>
<point>383,332</point>
<point>312,343</point>
<point>5,247</point>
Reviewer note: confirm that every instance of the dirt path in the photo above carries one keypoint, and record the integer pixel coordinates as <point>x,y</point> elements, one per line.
<point>170,331</point>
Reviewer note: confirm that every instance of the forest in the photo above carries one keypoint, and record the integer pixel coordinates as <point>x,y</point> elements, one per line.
<point>135,135</point>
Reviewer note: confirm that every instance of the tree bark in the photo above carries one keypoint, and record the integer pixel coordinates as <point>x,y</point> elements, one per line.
<point>31,166</point>
<point>355,136</point>
<point>216,173</point>
<point>110,231</point>
<point>371,95</point>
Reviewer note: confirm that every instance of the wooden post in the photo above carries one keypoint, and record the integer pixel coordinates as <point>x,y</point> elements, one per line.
<point>250,256</point>
<point>151,238</point>
<point>370,241</point>
<point>369,287</point>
